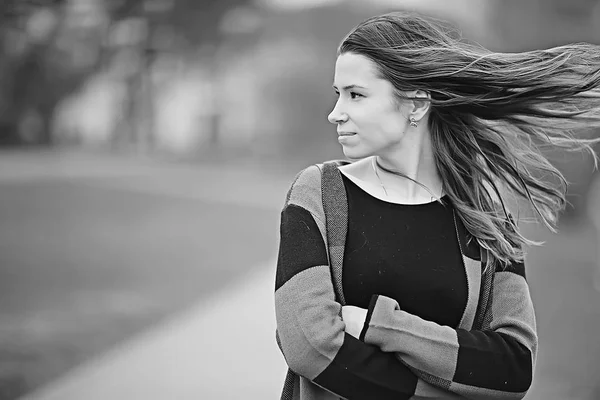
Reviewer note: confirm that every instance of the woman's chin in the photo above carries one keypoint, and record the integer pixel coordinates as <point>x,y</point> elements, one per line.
<point>354,153</point>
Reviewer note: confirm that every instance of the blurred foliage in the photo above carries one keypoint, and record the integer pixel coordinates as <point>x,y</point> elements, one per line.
<point>49,48</point>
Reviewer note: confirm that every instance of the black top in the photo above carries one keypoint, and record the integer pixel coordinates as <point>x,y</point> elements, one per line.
<point>406,252</point>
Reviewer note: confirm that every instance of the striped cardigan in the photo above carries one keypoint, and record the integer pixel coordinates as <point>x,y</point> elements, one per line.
<point>490,355</point>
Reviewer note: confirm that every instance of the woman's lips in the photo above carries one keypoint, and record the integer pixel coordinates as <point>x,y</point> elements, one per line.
<point>346,138</point>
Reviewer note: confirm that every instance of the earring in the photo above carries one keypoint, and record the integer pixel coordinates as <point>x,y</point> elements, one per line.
<point>413,122</point>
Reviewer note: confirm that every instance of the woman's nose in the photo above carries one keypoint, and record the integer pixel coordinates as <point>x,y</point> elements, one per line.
<point>336,116</point>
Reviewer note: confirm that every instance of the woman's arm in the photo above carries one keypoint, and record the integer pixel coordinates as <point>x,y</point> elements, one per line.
<point>495,363</point>
<point>309,326</point>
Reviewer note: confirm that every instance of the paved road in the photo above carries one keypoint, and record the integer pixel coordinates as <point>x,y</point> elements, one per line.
<point>95,249</point>
<point>172,359</point>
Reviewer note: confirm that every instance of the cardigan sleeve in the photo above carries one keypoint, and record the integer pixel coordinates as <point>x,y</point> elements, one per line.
<point>493,363</point>
<point>310,330</point>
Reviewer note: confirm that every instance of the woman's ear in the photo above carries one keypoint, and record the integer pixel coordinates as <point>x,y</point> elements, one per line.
<point>421,101</point>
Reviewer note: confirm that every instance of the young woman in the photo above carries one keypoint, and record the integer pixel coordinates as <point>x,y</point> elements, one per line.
<point>401,274</point>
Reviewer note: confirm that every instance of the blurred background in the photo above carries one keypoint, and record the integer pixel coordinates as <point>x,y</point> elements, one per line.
<point>146,147</point>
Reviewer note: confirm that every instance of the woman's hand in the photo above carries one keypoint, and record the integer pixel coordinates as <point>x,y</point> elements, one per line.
<point>354,318</point>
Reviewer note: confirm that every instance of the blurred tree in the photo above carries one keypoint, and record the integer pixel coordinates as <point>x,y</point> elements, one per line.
<point>197,25</point>
<point>20,62</point>
<point>40,65</point>
<point>201,25</point>
<point>200,20</point>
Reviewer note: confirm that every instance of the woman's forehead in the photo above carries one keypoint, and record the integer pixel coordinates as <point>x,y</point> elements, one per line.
<point>355,69</point>
<point>355,65</point>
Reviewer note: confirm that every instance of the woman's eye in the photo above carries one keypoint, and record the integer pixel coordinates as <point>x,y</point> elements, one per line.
<point>353,95</point>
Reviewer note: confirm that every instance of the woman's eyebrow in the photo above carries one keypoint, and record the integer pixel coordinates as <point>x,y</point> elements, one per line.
<point>350,87</point>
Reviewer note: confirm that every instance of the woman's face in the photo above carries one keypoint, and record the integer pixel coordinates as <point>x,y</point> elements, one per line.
<point>368,118</point>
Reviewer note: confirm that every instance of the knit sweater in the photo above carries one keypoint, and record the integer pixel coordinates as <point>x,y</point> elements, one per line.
<point>490,355</point>
<point>408,252</point>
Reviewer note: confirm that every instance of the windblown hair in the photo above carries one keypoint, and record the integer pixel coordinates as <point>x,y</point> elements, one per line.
<point>491,117</point>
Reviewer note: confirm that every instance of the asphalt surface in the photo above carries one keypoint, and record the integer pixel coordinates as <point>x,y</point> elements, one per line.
<point>95,249</point>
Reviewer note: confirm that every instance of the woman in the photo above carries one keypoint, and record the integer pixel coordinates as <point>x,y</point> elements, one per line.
<point>401,274</point>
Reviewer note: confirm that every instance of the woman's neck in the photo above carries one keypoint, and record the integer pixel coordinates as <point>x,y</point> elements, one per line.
<point>414,160</point>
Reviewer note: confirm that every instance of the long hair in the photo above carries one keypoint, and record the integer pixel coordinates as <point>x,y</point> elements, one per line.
<point>491,117</point>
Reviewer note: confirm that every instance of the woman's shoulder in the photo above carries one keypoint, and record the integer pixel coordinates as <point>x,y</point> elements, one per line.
<point>311,175</point>
<point>307,183</point>
<point>308,176</point>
